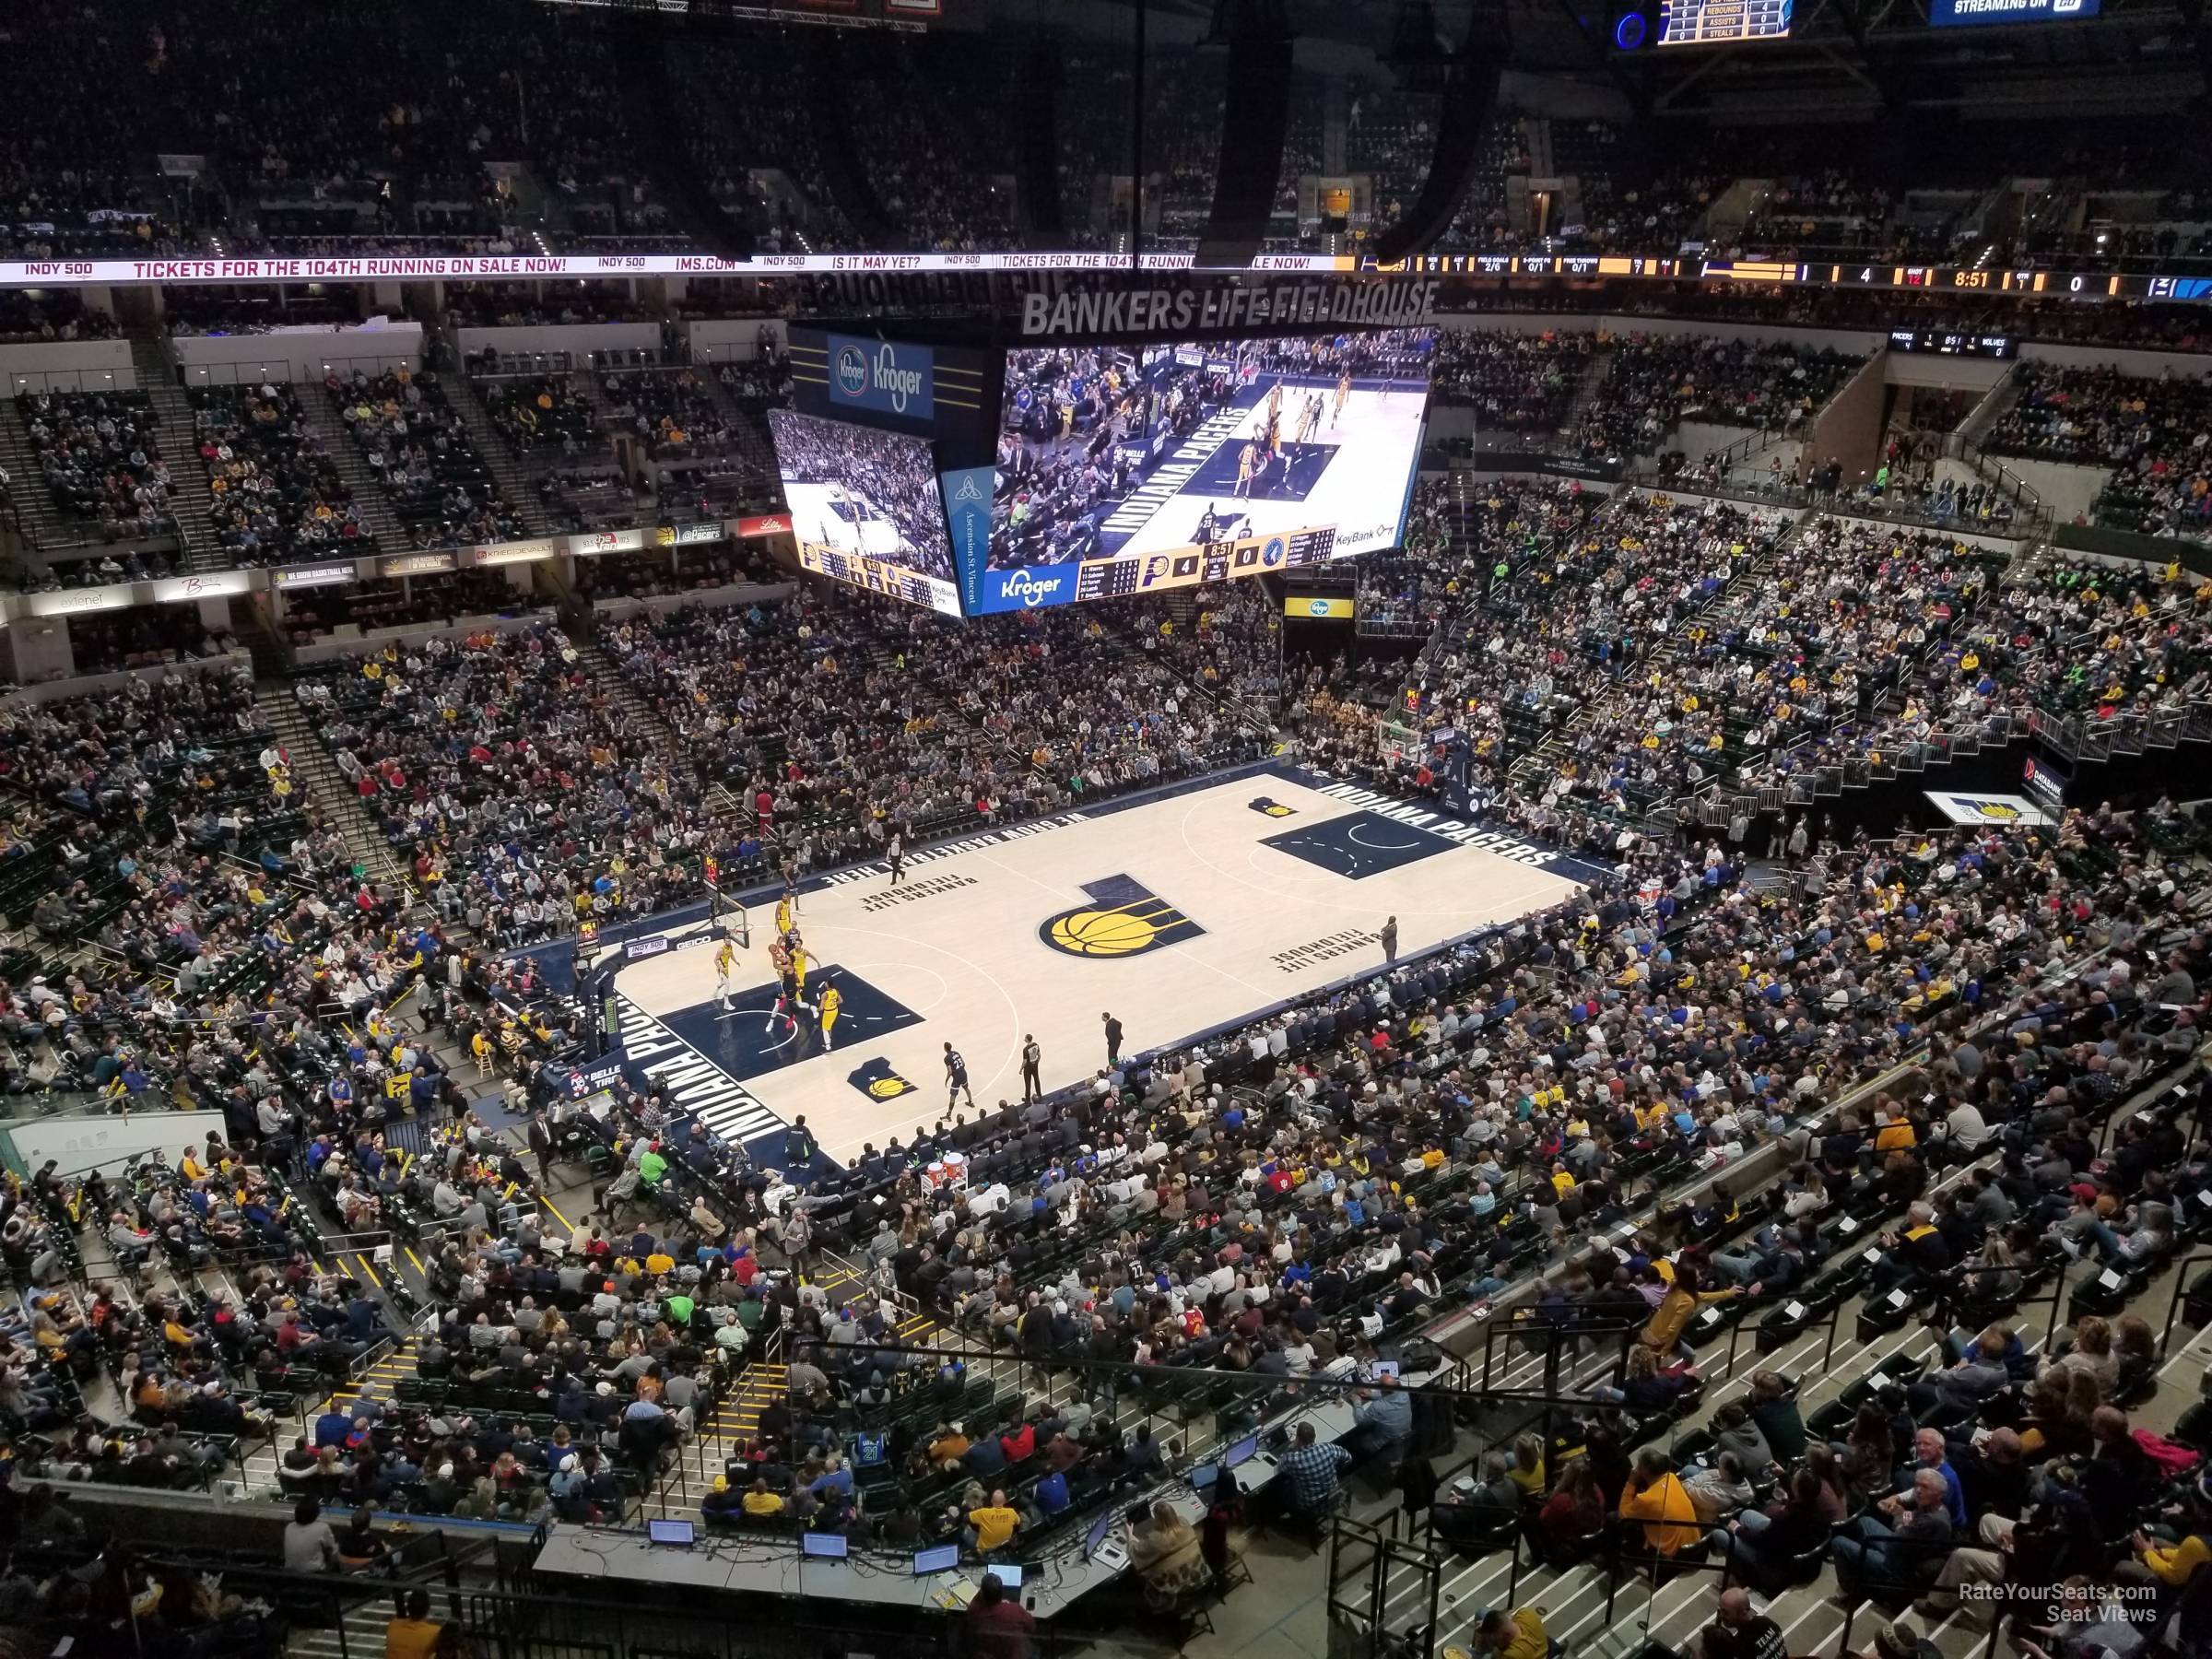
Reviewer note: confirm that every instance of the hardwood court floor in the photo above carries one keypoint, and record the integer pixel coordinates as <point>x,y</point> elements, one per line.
<point>1178,915</point>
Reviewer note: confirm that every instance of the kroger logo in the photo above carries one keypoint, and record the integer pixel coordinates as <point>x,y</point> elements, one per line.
<point>879,375</point>
<point>897,384</point>
<point>1317,607</point>
<point>1022,588</point>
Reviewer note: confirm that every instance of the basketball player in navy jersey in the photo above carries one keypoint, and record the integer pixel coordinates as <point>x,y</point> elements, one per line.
<point>783,954</point>
<point>956,1079</point>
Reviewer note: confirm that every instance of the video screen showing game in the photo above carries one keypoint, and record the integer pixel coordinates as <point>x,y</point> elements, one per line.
<point>865,507</point>
<point>1135,467</point>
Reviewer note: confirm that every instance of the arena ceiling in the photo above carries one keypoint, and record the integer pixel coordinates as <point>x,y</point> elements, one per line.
<point>1844,60</point>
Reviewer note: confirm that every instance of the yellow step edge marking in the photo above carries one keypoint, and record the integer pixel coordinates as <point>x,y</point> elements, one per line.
<point>369,1270</point>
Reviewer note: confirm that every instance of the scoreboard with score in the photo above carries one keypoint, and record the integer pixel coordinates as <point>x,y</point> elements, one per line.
<point>2028,283</point>
<point>1207,562</point>
<point>1712,22</point>
<point>1947,341</point>
<point>880,576</point>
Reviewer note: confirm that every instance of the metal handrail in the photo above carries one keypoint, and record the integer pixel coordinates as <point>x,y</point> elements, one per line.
<point>2173,1306</point>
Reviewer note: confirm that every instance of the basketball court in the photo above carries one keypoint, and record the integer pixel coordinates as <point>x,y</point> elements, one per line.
<point>1351,458</point>
<point>1180,914</point>
<point>846,519</point>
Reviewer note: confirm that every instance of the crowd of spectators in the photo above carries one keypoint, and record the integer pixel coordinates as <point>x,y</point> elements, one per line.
<point>390,602</point>
<point>673,411</point>
<point>1830,211</point>
<point>1434,1099</point>
<point>143,637</point>
<point>2152,432</point>
<point>392,162</point>
<point>1860,643</point>
<point>651,575</point>
<point>1647,565</point>
<point>538,305</point>
<point>1408,593</point>
<point>82,565</point>
<point>190,856</point>
<point>1664,649</point>
<point>1627,208</point>
<point>522,799</point>
<point>2083,414</point>
<point>1655,381</point>
<point>2085,638</point>
<point>1641,653</point>
<point>276,495</point>
<point>418,447</point>
<point>32,318</point>
<point>1503,552</point>
<point>839,728</point>
<point>242,309</point>
<point>1481,223</point>
<point>1144,714</point>
<point>1521,382</point>
<point>831,742</point>
<point>538,414</point>
<point>102,461</point>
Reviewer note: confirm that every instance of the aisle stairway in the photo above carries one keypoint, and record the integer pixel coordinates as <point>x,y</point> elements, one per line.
<point>1532,770</point>
<point>188,492</point>
<point>379,1381</point>
<point>368,489</point>
<point>325,784</point>
<point>1587,392</point>
<point>359,1634</point>
<point>514,483</point>
<point>638,715</point>
<point>737,1416</point>
<point>41,526</point>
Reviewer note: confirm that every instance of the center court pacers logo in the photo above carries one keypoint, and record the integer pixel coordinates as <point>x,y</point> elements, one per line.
<point>1124,918</point>
<point>1272,808</point>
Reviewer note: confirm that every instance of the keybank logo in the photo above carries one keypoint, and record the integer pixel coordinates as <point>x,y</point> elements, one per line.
<point>881,375</point>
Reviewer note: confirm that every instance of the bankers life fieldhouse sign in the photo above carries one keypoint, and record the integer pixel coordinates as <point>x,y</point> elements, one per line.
<point>1177,312</point>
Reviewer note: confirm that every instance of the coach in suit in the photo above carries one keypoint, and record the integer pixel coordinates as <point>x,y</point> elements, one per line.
<point>541,1149</point>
